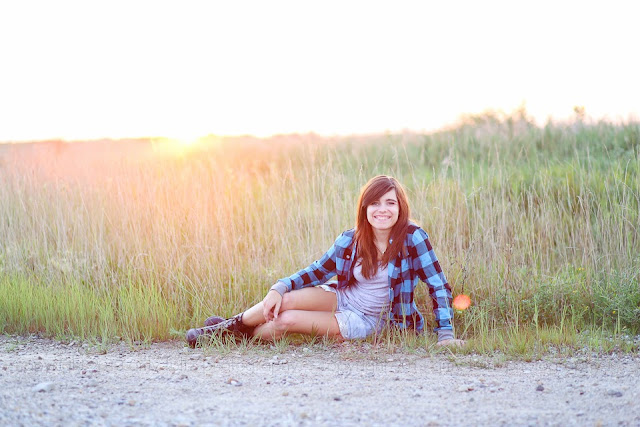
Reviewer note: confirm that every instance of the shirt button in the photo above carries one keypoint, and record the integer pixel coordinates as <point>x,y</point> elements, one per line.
<point>348,257</point>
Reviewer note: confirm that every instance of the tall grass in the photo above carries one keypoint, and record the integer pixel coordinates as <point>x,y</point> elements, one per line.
<point>135,239</point>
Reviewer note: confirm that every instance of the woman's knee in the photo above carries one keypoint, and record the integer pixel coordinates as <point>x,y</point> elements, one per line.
<point>288,301</point>
<point>286,320</point>
<point>293,300</point>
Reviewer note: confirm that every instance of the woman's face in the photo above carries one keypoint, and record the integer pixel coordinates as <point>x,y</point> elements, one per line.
<point>382,214</point>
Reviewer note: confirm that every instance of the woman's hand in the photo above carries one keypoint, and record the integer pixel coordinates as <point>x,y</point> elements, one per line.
<point>451,343</point>
<point>271,305</point>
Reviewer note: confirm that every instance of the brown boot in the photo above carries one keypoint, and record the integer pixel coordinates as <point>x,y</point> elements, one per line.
<point>232,326</point>
<point>213,320</point>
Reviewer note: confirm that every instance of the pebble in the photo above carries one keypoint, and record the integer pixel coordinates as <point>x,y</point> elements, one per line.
<point>276,361</point>
<point>540,387</point>
<point>43,387</point>
<point>614,393</point>
<point>233,382</point>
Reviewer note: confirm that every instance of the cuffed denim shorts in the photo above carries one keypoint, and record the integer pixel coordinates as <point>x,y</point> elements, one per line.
<point>353,323</point>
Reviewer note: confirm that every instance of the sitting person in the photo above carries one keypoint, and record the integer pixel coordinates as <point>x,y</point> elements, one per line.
<point>377,264</point>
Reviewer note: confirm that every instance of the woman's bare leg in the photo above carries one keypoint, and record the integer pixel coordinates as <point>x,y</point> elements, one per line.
<point>300,321</point>
<point>307,299</point>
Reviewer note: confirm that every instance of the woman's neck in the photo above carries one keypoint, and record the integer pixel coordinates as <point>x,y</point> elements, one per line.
<point>381,237</point>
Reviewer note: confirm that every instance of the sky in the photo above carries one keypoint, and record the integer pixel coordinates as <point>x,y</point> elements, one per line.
<point>116,69</point>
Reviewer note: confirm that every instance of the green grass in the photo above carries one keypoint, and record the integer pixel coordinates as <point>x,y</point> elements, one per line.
<point>139,240</point>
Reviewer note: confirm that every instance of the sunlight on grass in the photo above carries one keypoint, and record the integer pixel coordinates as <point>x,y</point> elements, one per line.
<point>539,227</point>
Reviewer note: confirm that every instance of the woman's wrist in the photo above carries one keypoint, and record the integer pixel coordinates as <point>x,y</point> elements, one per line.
<point>445,334</point>
<point>279,287</point>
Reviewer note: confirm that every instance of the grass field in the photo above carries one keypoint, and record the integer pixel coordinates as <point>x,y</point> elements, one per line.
<point>140,239</point>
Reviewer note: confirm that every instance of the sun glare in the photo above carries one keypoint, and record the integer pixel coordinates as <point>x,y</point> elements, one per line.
<point>176,146</point>
<point>187,141</point>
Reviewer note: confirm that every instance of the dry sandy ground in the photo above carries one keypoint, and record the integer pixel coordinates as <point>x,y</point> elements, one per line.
<point>44,382</point>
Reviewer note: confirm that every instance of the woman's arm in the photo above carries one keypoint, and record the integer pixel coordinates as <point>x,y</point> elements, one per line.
<point>318,272</point>
<point>425,263</point>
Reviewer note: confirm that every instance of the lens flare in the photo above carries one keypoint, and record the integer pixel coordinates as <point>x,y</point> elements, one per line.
<point>461,302</point>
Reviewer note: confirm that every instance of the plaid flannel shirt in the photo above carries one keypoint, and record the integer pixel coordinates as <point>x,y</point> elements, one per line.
<point>417,262</point>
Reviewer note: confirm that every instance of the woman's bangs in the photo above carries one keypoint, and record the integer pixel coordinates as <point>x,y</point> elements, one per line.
<point>376,191</point>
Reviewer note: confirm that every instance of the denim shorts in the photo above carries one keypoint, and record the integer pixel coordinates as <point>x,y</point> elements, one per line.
<point>353,323</point>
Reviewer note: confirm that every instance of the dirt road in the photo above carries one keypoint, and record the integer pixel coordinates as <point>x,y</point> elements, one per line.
<point>45,382</point>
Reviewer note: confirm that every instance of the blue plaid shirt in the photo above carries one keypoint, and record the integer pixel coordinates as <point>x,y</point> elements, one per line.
<point>417,262</point>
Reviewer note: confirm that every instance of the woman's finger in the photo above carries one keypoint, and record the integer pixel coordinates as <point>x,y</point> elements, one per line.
<point>266,309</point>
<point>267,312</point>
<point>276,309</point>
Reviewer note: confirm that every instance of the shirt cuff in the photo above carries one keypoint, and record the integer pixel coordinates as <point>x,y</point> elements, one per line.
<point>279,287</point>
<point>445,334</point>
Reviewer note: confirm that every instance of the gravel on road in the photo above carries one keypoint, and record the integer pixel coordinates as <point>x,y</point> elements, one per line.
<point>46,382</point>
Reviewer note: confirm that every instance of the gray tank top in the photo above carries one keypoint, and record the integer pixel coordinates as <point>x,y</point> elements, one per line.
<point>370,296</point>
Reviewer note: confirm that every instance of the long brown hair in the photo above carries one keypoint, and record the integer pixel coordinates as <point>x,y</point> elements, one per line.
<point>366,248</point>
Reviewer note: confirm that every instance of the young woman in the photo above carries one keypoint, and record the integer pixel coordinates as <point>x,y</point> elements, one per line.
<point>377,264</point>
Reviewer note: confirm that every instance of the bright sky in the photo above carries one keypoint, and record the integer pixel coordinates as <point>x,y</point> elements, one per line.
<point>89,69</point>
